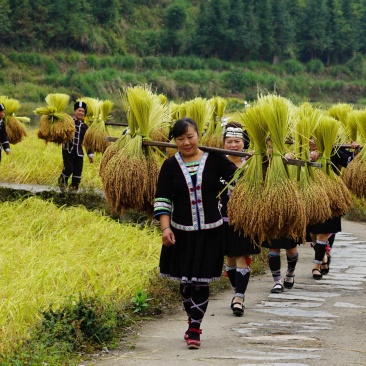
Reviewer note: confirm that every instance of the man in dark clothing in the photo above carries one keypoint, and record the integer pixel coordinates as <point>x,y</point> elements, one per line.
<point>72,151</point>
<point>4,141</point>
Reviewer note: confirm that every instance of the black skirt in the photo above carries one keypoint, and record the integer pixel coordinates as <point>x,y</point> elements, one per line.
<point>197,256</point>
<point>332,225</point>
<point>282,243</point>
<point>237,244</point>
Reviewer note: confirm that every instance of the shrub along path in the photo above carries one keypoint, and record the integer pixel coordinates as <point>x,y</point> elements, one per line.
<point>315,322</point>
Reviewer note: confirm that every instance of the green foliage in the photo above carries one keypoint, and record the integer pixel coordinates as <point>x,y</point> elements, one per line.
<point>140,301</point>
<point>356,65</point>
<point>315,66</point>
<point>357,212</point>
<point>83,321</point>
<point>293,67</point>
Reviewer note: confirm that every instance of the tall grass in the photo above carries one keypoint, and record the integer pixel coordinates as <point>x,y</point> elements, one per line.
<point>53,253</point>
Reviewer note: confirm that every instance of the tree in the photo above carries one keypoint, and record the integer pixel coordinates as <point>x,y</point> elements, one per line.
<point>263,11</point>
<point>174,20</point>
<point>315,38</point>
<point>22,25</point>
<point>5,25</point>
<point>212,28</point>
<point>284,35</point>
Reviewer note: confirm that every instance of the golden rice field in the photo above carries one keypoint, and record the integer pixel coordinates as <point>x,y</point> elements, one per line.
<point>32,161</point>
<point>49,253</point>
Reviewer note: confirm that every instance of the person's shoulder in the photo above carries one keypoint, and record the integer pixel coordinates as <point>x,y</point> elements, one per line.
<point>170,161</point>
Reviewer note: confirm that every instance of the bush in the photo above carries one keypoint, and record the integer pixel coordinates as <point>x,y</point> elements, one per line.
<point>215,64</point>
<point>315,66</point>
<point>73,58</point>
<point>356,65</point>
<point>92,61</point>
<point>27,58</point>
<point>151,63</point>
<point>83,321</point>
<point>51,67</point>
<point>293,66</point>
<point>237,79</point>
<point>2,60</point>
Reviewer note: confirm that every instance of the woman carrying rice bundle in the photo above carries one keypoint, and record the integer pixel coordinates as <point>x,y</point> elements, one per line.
<point>72,151</point>
<point>321,233</point>
<point>238,247</point>
<point>186,205</point>
<point>4,141</point>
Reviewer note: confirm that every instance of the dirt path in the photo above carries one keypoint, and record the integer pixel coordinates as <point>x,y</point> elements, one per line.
<point>317,322</point>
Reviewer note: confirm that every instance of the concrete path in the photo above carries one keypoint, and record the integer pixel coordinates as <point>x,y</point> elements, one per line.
<point>315,323</point>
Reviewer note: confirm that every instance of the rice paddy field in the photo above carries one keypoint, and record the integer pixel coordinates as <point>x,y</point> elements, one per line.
<point>32,161</point>
<point>49,253</point>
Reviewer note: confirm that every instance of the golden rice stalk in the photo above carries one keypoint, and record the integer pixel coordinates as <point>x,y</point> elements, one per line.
<point>340,112</point>
<point>55,125</point>
<point>96,135</point>
<point>112,150</point>
<point>351,124</point>
<point>200,111</point>
<point>355,174</point>
<point>57,131</point>
<point>317,205</point>
<point>338,194</point>
<point>160,120</point>
<point>326,134</point>
<point>15,130</point>
<point>130,178</point>
<point>247,193</point>
<point>283,209</point>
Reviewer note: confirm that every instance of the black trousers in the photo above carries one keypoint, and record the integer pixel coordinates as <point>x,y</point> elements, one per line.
<point>73,165</point>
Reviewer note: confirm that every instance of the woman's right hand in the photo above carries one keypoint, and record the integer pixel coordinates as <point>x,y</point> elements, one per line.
<point>168,237</point>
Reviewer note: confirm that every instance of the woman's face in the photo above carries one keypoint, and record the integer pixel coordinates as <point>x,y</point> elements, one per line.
<point>188,143</point>
<point>2,114</point>
<point>234,143</point>
<point>79,113</point>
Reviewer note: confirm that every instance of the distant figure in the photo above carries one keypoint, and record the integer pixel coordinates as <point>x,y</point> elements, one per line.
<point>4,141</point>
<point>72,152</point>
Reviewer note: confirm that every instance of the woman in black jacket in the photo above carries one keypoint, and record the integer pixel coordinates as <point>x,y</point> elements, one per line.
<point>187,207</point>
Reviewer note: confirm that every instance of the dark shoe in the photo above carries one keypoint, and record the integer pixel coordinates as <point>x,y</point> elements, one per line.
<point>277,289</point>
<point>324,268</point>
<point>289,284</point>
<point>193,340</point>
<point>238,308</point>
<point>317,276</point>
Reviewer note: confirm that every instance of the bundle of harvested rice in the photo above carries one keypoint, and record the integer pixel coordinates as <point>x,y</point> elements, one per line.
<point>55,125</point>
<point>95,138</point>
<point>15,129</point>
<point>316,209</point>
<point>160,132</point>
<point>355,174</point>
<point>244,207</point>
<point>340,112</point>
<point>130,175</point>
<point>326,134</point>
<point>213,134</point>
<point>283,211</point>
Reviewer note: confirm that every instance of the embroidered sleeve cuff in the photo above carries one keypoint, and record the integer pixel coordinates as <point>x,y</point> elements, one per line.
<point>162,206</point>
